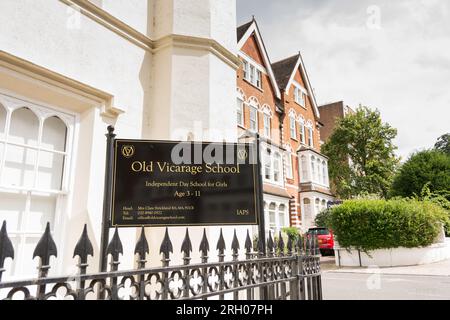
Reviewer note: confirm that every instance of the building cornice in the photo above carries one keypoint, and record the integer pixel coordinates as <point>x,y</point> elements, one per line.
<point>129,33</point>
<point>57,80</point>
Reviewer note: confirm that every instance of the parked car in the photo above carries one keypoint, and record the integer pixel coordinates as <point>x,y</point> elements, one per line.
<point>325,238</point>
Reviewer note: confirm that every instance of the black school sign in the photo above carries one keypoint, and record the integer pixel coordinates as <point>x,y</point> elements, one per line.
<point>163,183</point>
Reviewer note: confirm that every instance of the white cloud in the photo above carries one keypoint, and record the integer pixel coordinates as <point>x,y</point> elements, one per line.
<point>401,68</point>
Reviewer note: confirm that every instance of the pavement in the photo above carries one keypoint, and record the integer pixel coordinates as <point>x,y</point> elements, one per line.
<point>440,269</point>
<point>422,282</point>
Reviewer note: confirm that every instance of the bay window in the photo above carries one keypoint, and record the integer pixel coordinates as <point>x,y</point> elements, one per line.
<point>277,167</point>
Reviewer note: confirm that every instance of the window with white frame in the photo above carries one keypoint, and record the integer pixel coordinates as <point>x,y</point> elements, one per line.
<point>277,167</point>
<point>266,119</point>
<point>35,145</point>
<point>317,205</point>
<point>310,137</point>
<point>240,111</point>
<point>277,216</point>
<point>313,168</point>
<point>304,168</point>
<point>252,74</point>
<point>302,132</point>
<point>299,96</point>
<point>267,165</point>
<point>253,118</point>
<point>272,217</point>
<point>324,173</point>
<point>289,171</point>
<point>245,67</point>
<point>293,127</point>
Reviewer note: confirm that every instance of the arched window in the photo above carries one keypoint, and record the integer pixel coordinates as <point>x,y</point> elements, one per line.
<point>324,173</point>
<point>310,137</point>
<point>302,131</point>
<point>324,204</point>
<point>21,152</point>
<point>317,203</point>
<point>292,127</point>
<point>266,118</point>
<point>253,118</point>
<point>52,155</point>
<point>313,168</point>
<point>272,216</point>
<point>289,171</point>
<point>307,215</point>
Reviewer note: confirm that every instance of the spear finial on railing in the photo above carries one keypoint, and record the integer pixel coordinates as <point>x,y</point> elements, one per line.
<point>45,248</point>
<point>142,248</point>
<point>186,248</point>
<point>6,248</point>
<point>281,244</point>
<point>248,243</point>
<point>221,242</point>
<point>270,243</point>
<point>114,249</point>
<point>166,248</point>
<point>235,246</point>
<point>204,247</point>
<point>83,249</point>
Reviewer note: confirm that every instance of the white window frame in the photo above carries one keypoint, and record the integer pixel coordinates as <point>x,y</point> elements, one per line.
<point>240,110</point>
<point>302,132</point>
<point>299,96</point>
<point>253,111</point>
<point>293,127</point>
<point>310,137</point>
<point>42,112</point>
<point>289,166</point>
<point>267,125</point>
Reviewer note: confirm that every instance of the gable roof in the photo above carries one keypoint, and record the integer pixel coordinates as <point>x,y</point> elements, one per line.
<point>246,31</point>
<point>285,72</point>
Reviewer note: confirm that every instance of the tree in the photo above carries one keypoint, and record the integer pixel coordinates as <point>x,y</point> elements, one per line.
<point>429,168</point>
<point>361,155</point>
<point>443,143</point>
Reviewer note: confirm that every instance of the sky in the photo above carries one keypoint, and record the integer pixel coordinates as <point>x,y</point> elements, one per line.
<point>390,55</point>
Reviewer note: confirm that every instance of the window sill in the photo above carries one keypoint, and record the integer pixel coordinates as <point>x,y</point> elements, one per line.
<point>304,107</point>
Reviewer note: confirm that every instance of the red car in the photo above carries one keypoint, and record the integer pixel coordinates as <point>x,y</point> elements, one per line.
<point>325,239</point>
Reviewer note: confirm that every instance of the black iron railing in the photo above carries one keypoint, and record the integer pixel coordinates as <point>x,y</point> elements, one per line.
<point>287,271</point>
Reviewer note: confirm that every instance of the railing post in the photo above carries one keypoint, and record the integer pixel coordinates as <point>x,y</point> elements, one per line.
<point>248,256</point>
<point>235,249</point>
<point>107,198</point>
<point>271,254</point>
<point>186,249</point>
<point>141,249</point>
<point>114,249</point>
<point>221,248</point>
<point>301,272</point>
<point>204,249</point>
<point>283,273</point>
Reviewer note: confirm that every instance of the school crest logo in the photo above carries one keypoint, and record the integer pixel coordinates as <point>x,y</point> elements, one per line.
<point>127,151</point>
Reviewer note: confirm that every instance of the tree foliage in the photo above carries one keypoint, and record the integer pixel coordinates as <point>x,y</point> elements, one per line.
<point>361,155</point>
<point>429,168</point>
<point>443,143</point>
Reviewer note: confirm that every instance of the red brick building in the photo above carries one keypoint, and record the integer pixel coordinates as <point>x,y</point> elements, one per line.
<point>329,114</point>
<point>277,101</point>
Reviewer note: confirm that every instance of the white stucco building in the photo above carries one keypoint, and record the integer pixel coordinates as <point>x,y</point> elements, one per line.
<point>155,69</point>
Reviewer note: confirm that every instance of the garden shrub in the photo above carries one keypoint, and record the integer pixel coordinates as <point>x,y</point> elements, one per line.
<point>380,224</point>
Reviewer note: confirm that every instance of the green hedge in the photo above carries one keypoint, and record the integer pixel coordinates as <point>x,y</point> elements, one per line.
<point>381,224</point>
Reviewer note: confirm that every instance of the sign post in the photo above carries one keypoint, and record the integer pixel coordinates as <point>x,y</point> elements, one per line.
<point>106,219</point>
